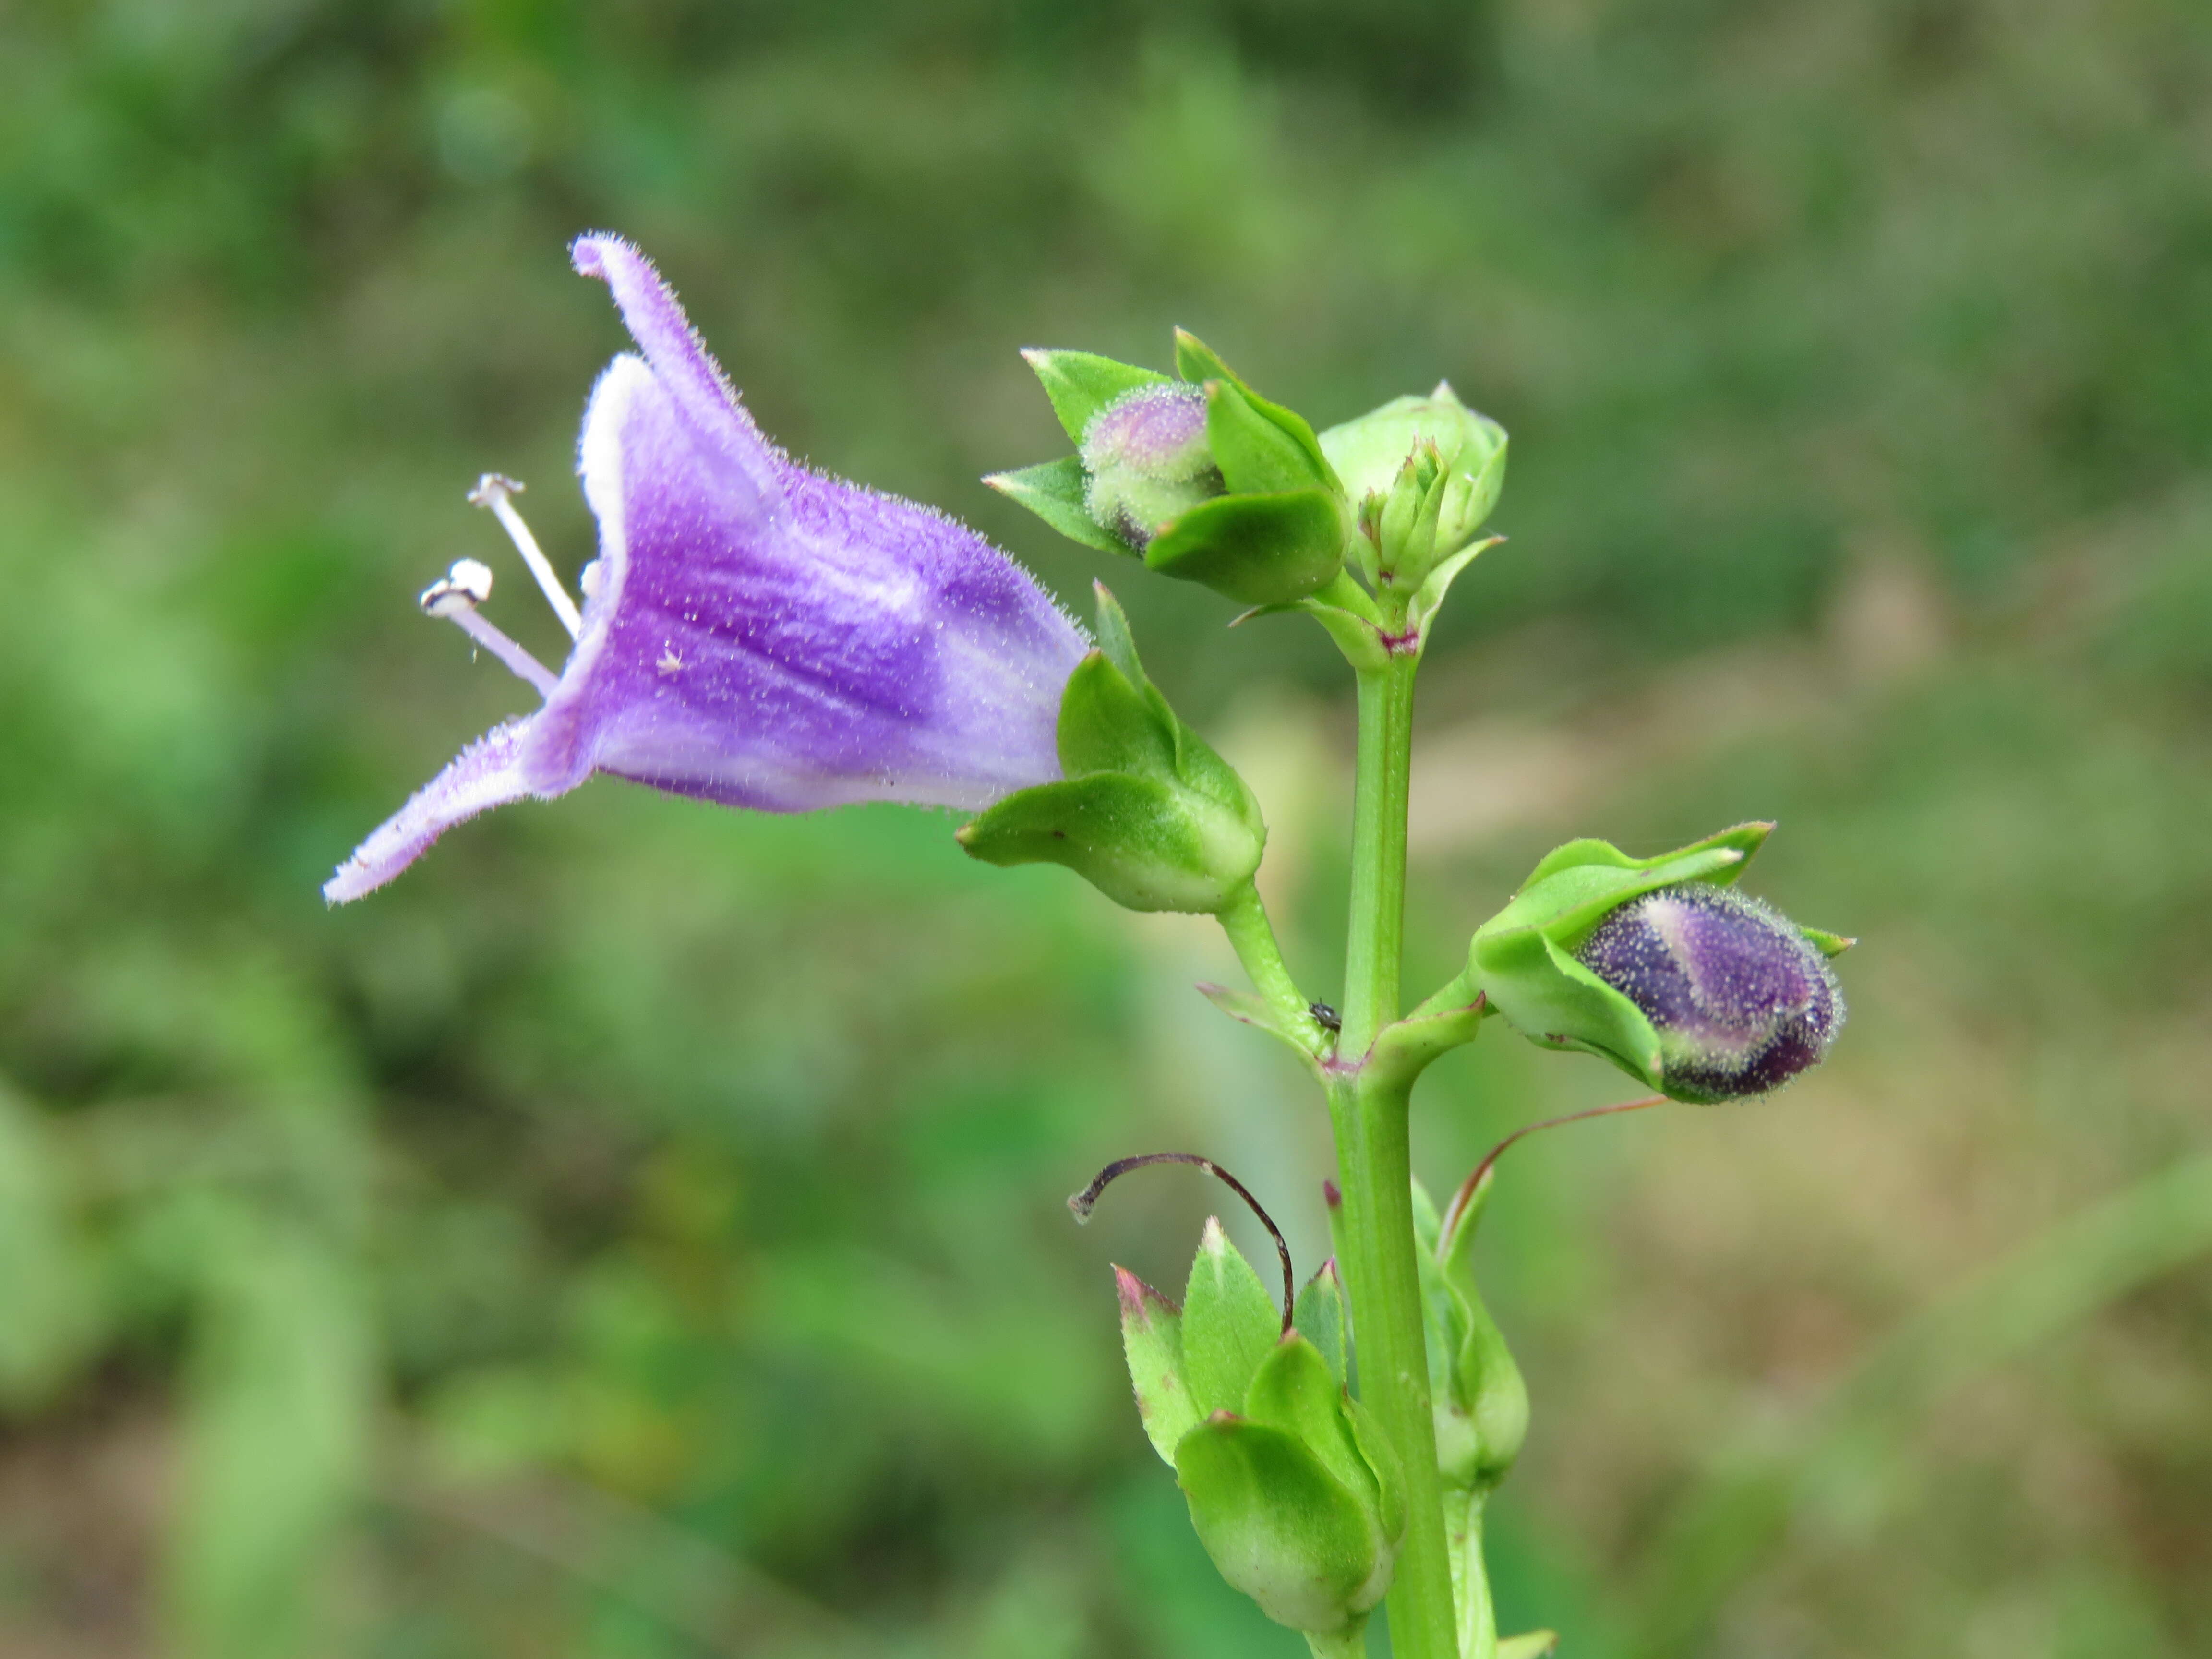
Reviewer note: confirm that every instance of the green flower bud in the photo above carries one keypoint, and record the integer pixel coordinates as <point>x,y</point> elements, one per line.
<point>1292,1488</point>
<point>1146,811</point>
<point>1695,990</point>
<point>1480,1401</point>
<point>1205,479</point>
<point>1426,473</point>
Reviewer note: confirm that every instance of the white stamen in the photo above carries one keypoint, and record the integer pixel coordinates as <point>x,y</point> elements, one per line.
<point>455,597</point>
<point>493,490</point>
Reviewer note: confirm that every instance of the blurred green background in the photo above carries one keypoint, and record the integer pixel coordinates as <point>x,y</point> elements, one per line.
<point>638,1234</point>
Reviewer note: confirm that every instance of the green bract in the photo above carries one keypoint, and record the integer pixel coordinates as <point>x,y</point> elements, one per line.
<point>1201,476</point>
<point>1424,473</point>
<point>1292,1490</point>
<point>1146,812</point>
<point>1522,958</point>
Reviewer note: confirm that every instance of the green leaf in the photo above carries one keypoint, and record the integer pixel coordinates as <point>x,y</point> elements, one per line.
<point>1255,455</point>
<point>1146,843</point>
<point>1230,1324</point>
<point>1107,725</point>
<point>1319,1317</point>
<point>1081,383</point>
<point>1279,1526</point>
<point>1260,550</point>
<point>1152,1340</point>
<point>1056,492</point>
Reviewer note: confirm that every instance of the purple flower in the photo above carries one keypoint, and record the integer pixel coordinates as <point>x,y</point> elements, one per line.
<point>752,632</point>
<point>1741,999</point>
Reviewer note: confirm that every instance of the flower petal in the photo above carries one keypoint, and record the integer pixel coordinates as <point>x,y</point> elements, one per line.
<point>854,648</point>
<point>489,773</point>
<point>728,442</point>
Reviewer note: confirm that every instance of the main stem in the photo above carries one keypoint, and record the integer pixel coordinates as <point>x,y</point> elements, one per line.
<point>1374,1160</point>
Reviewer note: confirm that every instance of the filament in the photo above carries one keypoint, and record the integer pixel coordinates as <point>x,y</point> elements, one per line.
<point>494,490</point>
<point>455,597</point>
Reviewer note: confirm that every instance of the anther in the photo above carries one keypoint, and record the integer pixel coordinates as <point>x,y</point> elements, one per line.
<point>454,598</point>
<point>492,491</point>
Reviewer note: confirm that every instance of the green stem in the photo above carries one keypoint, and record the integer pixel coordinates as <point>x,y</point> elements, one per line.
<point>1245,921</point>
<point>1370,1110</point>
<point>1380,788</point>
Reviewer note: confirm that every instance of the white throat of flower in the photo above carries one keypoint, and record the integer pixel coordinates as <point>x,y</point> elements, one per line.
<point>455,596</point>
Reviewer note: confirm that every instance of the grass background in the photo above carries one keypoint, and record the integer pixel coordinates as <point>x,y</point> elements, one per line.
<point>638,1232</point>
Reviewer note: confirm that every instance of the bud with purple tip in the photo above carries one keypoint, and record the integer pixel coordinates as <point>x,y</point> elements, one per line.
<point>1146,459</point>
<point>1741,1000</point>
<point>1660,966</point>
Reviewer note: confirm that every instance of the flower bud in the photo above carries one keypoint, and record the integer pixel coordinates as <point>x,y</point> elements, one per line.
<point>1740,1000</point>
<point>1704,996</point>
<point>1425,472</point>
<point>1147,460</point>
<point>1293,1491</point>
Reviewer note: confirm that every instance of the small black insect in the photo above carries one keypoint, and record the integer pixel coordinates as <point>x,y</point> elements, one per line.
<point>1327,1017</point>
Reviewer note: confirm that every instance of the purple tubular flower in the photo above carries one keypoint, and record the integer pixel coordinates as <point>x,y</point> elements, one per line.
<point>752,633</point>
<point>1742,1001</point>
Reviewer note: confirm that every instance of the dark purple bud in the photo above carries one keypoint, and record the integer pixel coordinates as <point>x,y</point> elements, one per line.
<point>1146,458</point>
<point>1741,999</point>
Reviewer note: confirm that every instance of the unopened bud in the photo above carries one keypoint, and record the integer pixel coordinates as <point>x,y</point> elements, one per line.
<point>1147,460</point>
<point>1741,999</point>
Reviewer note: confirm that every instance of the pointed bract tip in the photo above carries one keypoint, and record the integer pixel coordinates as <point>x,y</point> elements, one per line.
<point>1139,1299</point>
<point>1214,1237</point>
<point>1244,616</point>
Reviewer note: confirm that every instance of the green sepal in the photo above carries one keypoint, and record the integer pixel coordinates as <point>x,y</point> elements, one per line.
<point>1521,956</point>
<point>1152,1341</point>
<point>1529,1644</point>
<point>1196,361</point>
<point>1429,597</point>
<point>1482,1391</point>
<point>1081,383</point>
<point>1261,549</point>
<point>1145,844</point>
<point>1255,455</point>
<point>1295,1391</point>
<point>1279,1526</point>
<point>1114,638</point>
<point>1108,724</point>
<point>1827,944</point>
<point>1056,492</point>
<point>1392,1502</point>
<point>1320,1316</point>
<point>1230,1324</point>
<point>1147,812</point>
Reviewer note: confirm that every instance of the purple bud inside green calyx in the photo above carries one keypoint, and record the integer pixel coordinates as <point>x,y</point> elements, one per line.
<point>1146,459</point>
<point>1742,1001</point>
